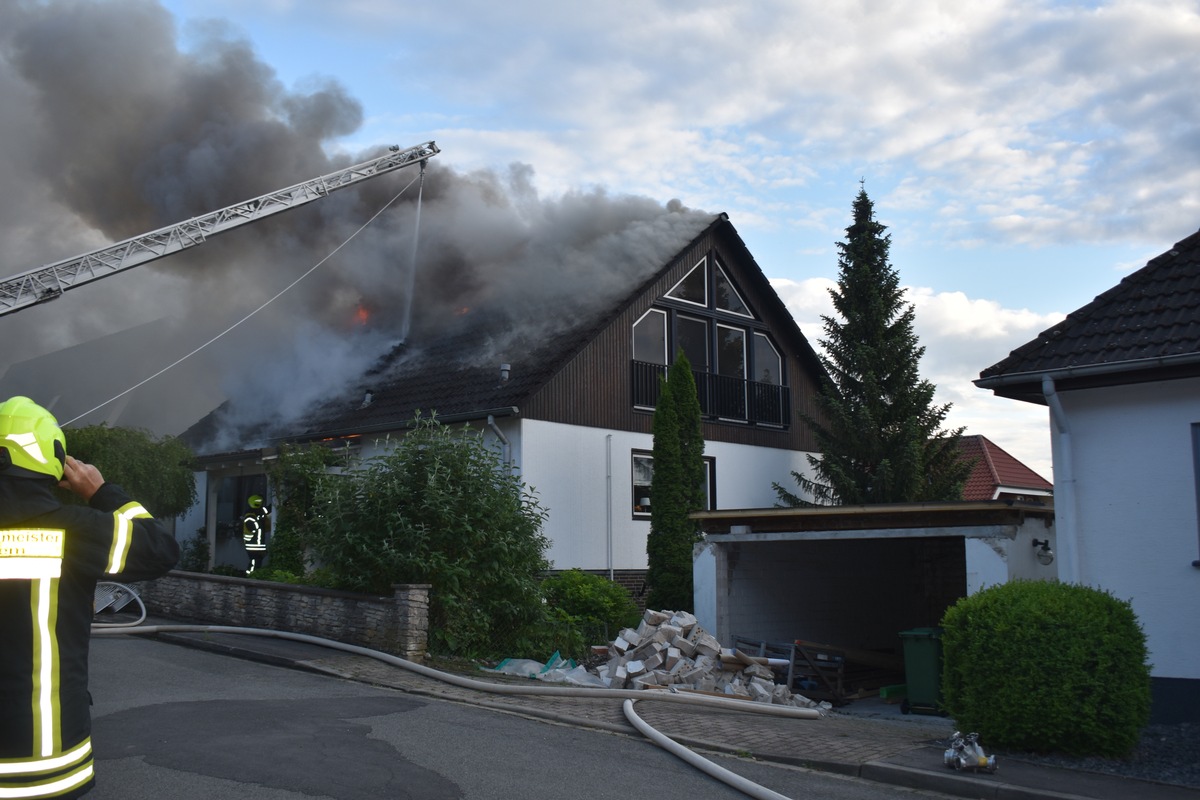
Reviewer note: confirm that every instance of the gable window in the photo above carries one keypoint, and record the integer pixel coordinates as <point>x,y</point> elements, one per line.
<point>738,369</point>
<point>730,386</point>
<point>643,476</point>
<point>727,296</point>
<point>767,398</point>
<point>650,337</point>
<point>694,286</point>
<point>691,336</point>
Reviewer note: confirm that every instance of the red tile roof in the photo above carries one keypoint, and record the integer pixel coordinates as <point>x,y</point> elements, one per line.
<point>994,468</point>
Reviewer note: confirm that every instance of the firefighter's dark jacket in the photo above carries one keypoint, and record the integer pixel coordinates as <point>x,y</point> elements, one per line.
<point>45,623</point>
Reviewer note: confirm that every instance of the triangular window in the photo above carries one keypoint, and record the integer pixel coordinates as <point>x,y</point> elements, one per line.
<point>694,286</point>
<point>728,298</point>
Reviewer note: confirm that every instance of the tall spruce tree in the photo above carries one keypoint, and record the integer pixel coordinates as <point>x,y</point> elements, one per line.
<point>676,490</point>
<point>879,432</point>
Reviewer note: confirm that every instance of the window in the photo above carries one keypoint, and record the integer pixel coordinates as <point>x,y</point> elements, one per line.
<point>691,336</point>
<point>650,338</point>
<point>768,364</point>
<point>739,371</point>
<point>643,475</point>
<point>727,296</point>
<point>694,286</point>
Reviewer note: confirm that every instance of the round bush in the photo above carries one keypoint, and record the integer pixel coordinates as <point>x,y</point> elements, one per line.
<point>1042,666</point>
<point>599,606</point>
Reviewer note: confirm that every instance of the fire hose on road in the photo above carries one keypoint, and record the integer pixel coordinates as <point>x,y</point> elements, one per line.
<point>629,696</point>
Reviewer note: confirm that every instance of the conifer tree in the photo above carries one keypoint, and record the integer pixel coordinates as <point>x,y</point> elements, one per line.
<point>676,490</point>
<point>879,432</point>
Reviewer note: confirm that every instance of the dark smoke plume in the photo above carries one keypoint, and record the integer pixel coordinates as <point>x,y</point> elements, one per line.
<point>110,131</point>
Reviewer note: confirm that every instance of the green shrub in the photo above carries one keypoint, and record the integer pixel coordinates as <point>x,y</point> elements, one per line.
<point>193,554</point>
<point>1042,666</point>
<point>599,607</point>
<point>440,507</point>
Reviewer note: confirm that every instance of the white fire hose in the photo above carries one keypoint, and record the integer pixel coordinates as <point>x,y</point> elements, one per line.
<point>630,696</point>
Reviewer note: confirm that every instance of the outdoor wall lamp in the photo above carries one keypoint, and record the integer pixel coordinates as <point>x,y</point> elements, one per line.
<point>1045,556</point>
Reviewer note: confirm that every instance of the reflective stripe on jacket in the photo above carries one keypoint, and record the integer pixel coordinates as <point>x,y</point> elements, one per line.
<point>49,565</point>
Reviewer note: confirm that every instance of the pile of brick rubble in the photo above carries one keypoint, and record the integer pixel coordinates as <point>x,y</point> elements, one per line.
<point>669,649</point>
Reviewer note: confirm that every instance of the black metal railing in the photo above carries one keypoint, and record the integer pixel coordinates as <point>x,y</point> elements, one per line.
<point>720,396</point>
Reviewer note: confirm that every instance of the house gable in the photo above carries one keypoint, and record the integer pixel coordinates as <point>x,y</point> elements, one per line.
<point>714,285</point>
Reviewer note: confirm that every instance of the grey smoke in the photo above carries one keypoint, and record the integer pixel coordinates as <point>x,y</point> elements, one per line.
<point>111,130</point>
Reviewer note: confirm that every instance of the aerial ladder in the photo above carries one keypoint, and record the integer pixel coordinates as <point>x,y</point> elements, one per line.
<point>50,281</point>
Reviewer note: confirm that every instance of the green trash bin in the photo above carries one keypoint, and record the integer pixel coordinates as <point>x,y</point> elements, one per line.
<point>923,670</point>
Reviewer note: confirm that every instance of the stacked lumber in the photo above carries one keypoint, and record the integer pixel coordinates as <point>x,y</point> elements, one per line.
<point>670,650</point>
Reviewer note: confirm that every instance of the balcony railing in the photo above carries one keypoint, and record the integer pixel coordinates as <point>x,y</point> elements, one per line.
<point>721,397</point>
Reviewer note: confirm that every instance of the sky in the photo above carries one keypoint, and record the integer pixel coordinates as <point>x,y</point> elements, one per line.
<point>1025,155</point>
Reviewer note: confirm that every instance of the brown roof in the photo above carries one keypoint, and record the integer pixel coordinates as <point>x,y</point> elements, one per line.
<point>995,468</point>
<point>1145,328</point>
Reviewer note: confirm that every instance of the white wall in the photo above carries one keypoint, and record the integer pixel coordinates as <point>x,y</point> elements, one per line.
<point>568,466</point>
<point>1137,529</point>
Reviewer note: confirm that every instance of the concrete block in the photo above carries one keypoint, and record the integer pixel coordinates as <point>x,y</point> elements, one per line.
<point>631,636</point>
<point>685,646</point>
<point>666,633</point>
<point>684,620</point>
<point>760,671</point>
<point>671,658</point>
<point>708,645</point>
<point>758,694</point>
<point>635,668</point>
<point>656,618</point>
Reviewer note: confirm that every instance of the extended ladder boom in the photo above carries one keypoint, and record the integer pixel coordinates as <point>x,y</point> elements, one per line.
<point>50,281</point>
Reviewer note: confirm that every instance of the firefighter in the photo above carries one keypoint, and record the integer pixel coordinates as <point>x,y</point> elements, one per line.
<point>254,530</point>
<point>51,556</point>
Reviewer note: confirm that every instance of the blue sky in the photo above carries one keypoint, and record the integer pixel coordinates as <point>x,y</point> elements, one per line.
<point>1025,154</point>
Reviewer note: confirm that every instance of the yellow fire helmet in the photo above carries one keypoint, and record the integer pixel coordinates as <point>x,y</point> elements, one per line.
<point>255,501</point>
<point>31,439</point>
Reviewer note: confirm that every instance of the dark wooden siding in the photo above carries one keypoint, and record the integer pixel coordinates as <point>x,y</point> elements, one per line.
<point>593,388</point>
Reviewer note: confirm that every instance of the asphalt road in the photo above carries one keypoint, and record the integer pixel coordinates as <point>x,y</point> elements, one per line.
<point>184,724</point>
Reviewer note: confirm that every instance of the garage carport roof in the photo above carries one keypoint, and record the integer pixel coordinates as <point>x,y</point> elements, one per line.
<point>885,520</point>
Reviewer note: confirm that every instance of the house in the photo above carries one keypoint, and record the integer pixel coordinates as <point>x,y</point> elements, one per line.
<point>570,399</point>
<point>1121,377</point>
<point>997,475</point>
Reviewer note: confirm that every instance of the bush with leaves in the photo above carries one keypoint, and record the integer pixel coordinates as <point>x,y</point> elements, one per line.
<point>295,476</point>
<point>1042,666</point>
<point>597,607</point>
<point>193,554</point>
<point>440,508</point>
<point>158,473</point>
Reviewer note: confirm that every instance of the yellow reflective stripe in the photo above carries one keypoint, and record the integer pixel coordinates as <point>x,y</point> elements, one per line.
<point>30,766</point>
<point>122,535</point>
<point>50,788</point>
<point>43,596</point>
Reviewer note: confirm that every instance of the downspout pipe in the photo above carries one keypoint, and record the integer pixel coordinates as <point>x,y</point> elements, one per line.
<point>608,502</point>
<point>491,421</point>
<point>1066,524</point>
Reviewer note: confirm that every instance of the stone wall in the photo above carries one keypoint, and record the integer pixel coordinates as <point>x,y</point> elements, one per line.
<point>398,625</point>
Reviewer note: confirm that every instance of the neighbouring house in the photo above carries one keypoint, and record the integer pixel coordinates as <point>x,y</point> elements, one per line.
<point>1121,377</point>
<point>569,392</point>
<point>997,475</point>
